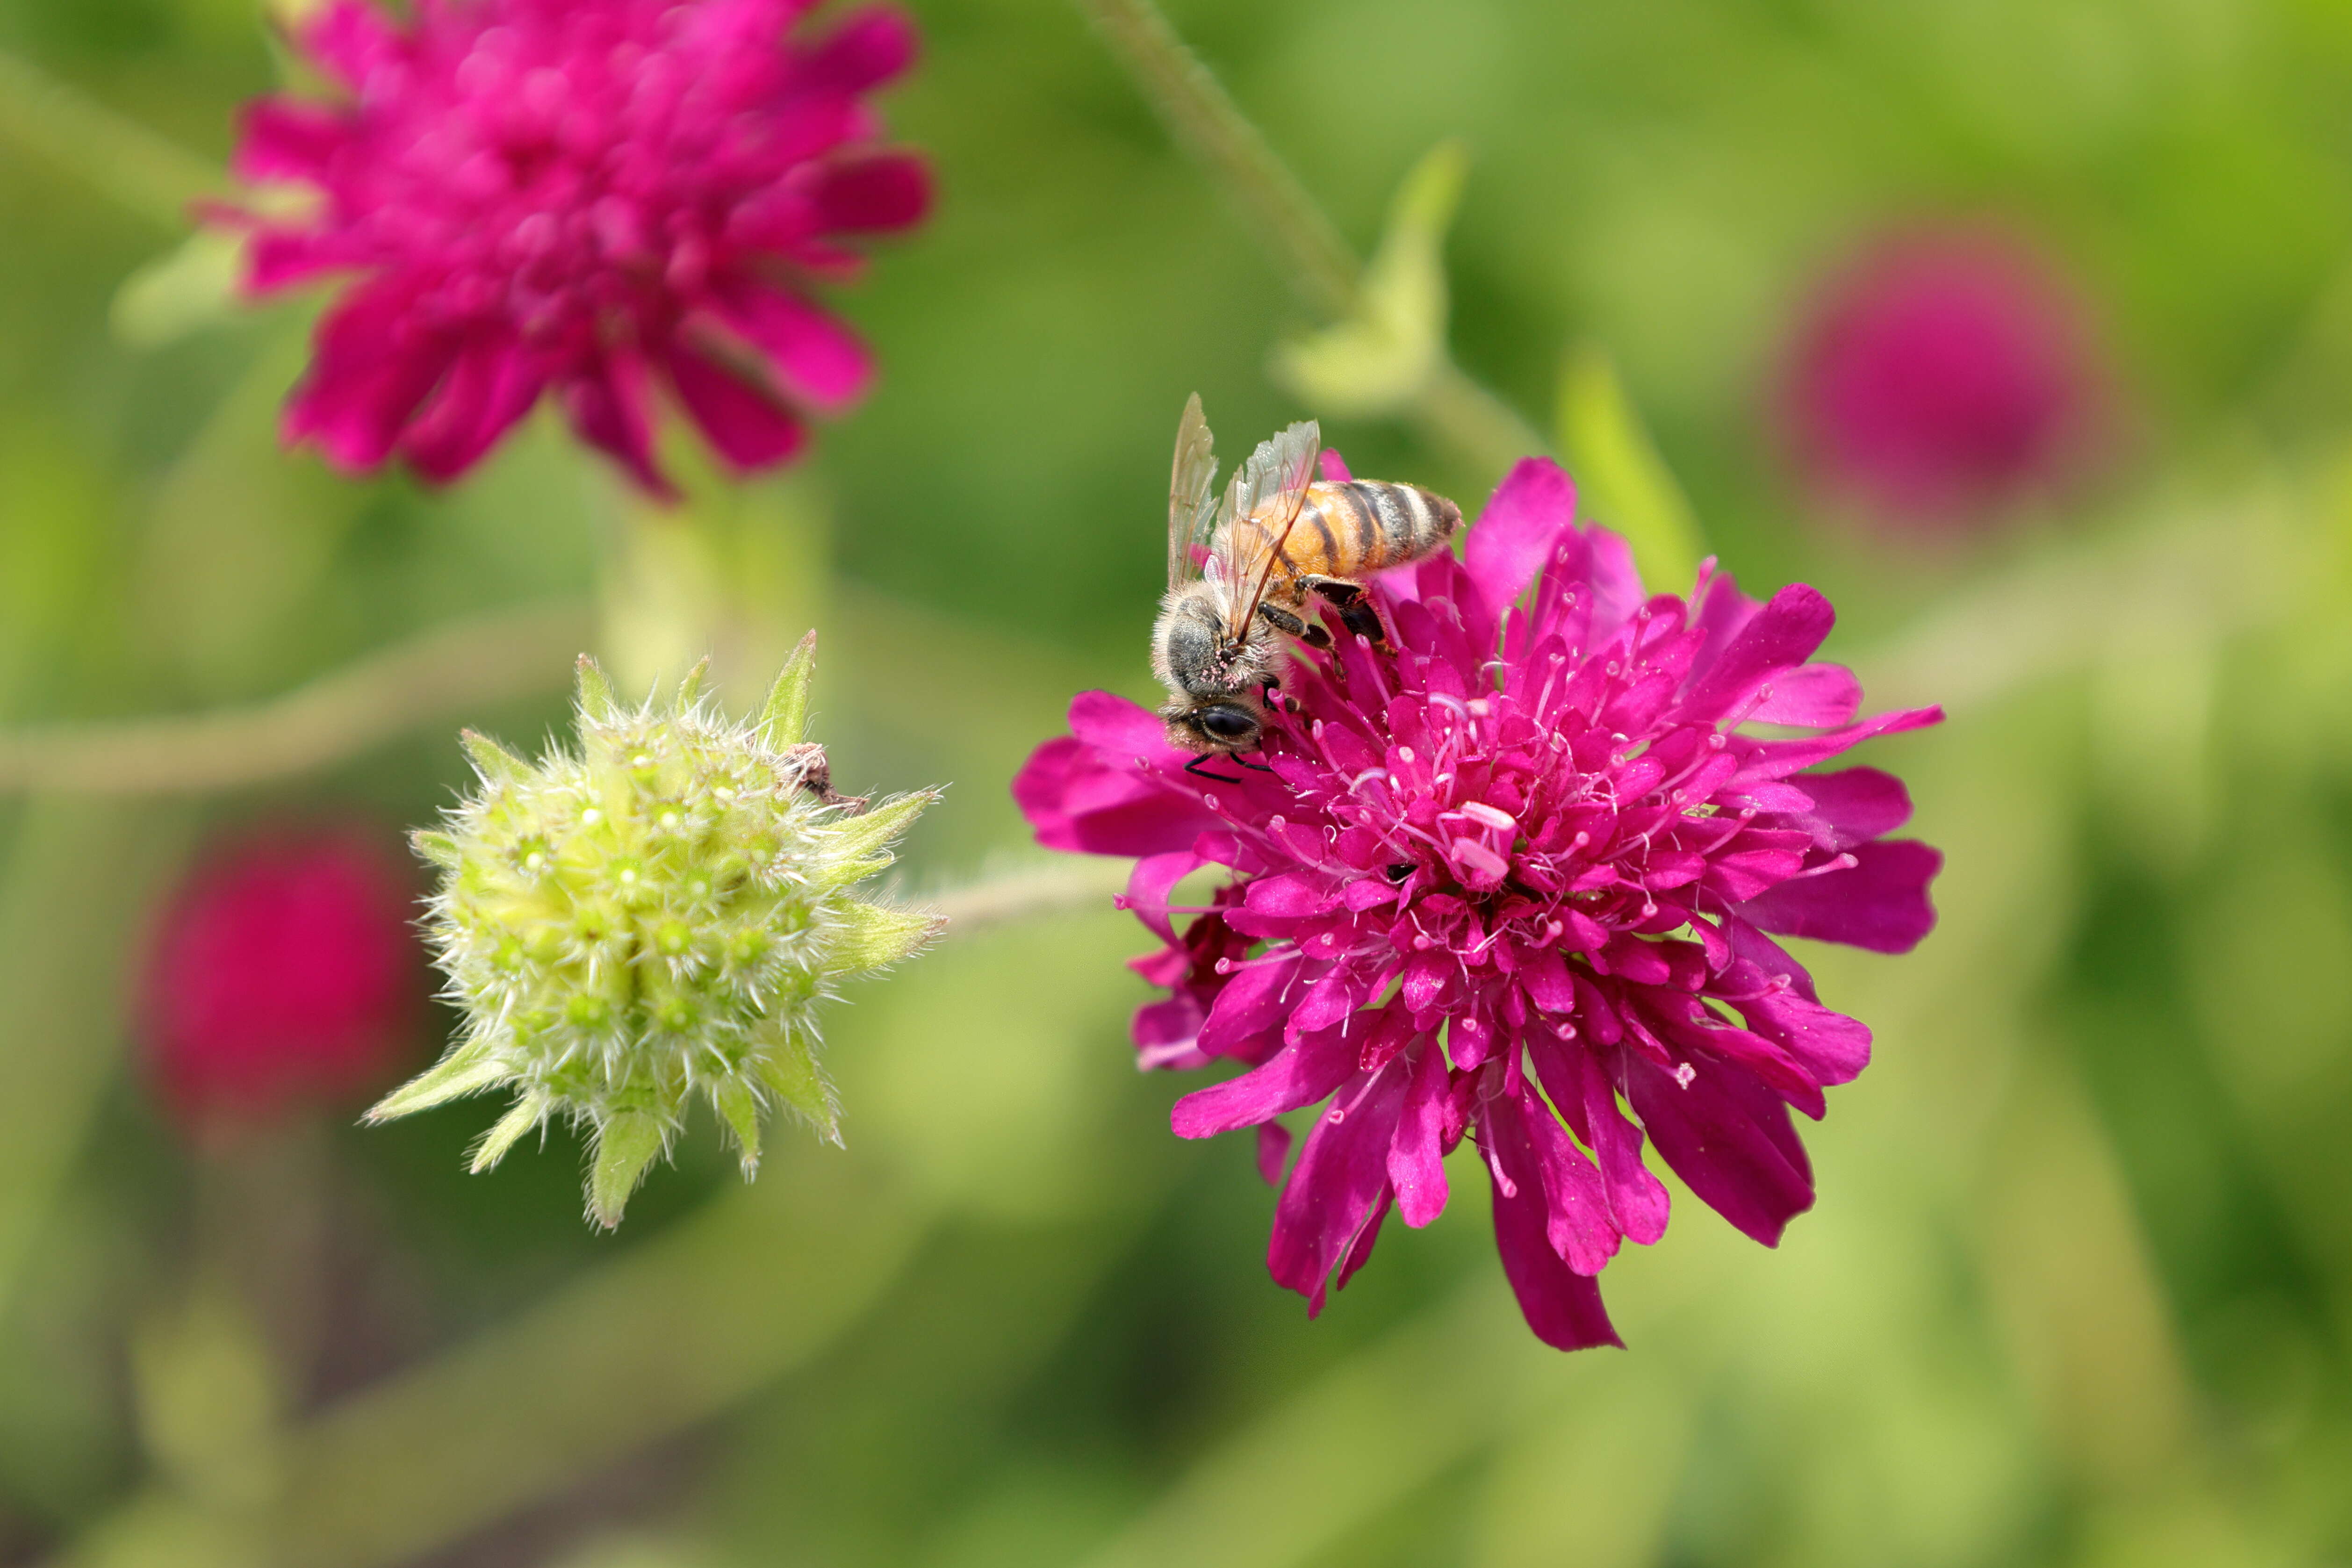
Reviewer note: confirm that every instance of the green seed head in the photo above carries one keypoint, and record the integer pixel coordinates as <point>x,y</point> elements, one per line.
<point>656,915</point>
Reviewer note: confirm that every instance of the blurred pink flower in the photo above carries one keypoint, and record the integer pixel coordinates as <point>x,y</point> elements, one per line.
<point>1507,881</point>
<point>284,971</point>
<point>1943,375</point>
<point>585,197</point>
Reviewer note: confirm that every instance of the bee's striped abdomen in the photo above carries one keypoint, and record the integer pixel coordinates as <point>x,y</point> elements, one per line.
<point>1363,526</point>
<point>1389,524</point>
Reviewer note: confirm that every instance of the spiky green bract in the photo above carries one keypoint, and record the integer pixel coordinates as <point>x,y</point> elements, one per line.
<point>656,915</point>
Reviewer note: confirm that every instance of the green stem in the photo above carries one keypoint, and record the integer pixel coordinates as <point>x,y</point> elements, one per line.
<point>143,172</point>
<point>1451,409</point>
<point>76,877</point>
<point>736,571</point>
<point>1456,411</point>
<point>1079,883</point>
<point>450,669</point>
<point>1204,118</point>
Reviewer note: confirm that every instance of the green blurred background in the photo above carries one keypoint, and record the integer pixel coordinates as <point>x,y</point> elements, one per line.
<point>2080,1277</point>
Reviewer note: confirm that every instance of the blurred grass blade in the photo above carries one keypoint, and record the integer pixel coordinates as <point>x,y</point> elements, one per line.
<point>1621,479</point>
<point>1327,1462</point>
<point>125,161</point>
<point>670,1333</point>
<point>77,877</point>
<point>1379,357</point>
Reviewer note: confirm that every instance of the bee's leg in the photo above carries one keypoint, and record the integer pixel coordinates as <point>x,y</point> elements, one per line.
<point>1283,621</point>
<point>1198,768</point>
<point>1240,761</point>
<point>1356,612</point>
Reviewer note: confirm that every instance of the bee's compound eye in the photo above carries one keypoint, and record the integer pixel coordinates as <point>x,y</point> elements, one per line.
<point>1227,724</point>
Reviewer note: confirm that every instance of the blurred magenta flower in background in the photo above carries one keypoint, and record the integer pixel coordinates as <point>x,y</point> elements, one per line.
<point>1564,859</point>
<point>285,971</point>
<point>589,199</point>
<point>1942,374</point>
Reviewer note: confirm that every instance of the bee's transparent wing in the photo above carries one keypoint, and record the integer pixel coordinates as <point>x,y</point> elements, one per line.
<point>1271,488</point>
<point>1192,511</point>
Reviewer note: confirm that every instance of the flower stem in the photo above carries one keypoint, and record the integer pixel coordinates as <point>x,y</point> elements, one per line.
<point>143,172</point>
<point>1203,116</point>
<point>448,669</point>
<point>1452,409</point>
<point>1458,413</point>
<point>736,570</point>
<point>1011,896</point>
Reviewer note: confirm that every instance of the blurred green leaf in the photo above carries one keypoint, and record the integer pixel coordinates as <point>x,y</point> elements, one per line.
<point>182,291</point>
<point>1621,479</point>
<point>1379,358</point>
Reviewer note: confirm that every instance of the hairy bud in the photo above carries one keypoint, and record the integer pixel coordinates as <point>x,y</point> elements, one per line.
<point>659,915</point>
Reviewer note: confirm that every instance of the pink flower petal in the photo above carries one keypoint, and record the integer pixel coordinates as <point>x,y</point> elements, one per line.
<point>1818,695</point>
<point>1729,1138</point>
<point>1853,805</point>
<point>1417,1156</point>
<point>370,376</point>
<point>1637,1199</point>
<point>1153,879</point>
<point>746,428</point>
<point>1252,1006</point>
<point>1118,726</point>
<point>608,405</point>
<point>1561,1305</point>
<point>1779,759</point>
<point>866,51</point>
<point>816,358</point>
<point>491,385</point>
<point>1879,903</point>
<point>1781,636</point>
<point>1523,519</point>
<point>1300,1074</point>
<point>1272,1151</point>
<point>285,139</point>
<point>878,194</point>
<point>1340,1178</point>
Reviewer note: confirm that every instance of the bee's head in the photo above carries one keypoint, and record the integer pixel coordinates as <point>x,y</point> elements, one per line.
<point>1224,725</point>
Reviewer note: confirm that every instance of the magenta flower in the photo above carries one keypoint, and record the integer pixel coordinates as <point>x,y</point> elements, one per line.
<point>1942,375</point>
<point>283,972</point>
<point>1513,881</point>
<point>585,197</point>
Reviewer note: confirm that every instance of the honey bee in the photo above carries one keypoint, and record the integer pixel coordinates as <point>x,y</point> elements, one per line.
<point>1240,570</point>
